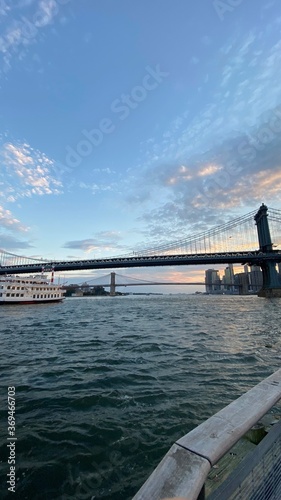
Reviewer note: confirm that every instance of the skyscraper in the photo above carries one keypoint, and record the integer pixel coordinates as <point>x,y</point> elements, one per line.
<point>255,279</point>
<point>212,281</point>
<point>228,278</point>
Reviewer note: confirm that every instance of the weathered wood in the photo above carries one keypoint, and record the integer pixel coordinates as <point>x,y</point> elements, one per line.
<point>227,464</point>
<point>256,433</point>
<point>179,474</point>
<point>218,434</point>
<point>258,475</point>
<point>184,469</point>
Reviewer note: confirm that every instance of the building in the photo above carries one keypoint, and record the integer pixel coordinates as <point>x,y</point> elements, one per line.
<point>228,279</point>
<point>255,279</point>
<point>212,281</point>
<point>85,287</point>
<point>249,281</point>
<point>241,281</point>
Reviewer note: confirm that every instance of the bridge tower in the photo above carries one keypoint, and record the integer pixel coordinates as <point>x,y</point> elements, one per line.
<point>271,279</point>
<point>112,284</point>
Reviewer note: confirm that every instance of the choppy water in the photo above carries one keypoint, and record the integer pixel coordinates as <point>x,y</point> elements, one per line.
<point>104,386</point>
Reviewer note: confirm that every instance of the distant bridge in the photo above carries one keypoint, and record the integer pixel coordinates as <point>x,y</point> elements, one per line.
<point>230,243</point>
<point>114,280</point>
<point>128,281</point>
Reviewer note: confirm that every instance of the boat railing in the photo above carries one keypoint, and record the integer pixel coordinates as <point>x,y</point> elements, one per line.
<point>185,467</point>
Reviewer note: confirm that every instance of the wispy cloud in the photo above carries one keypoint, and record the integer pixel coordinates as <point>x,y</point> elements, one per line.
<point>8,221</point>
<point>95,188</point>
<point>243,170</point>
<point>10,225</point>
<point>228,156</point>
<point>4,8</point>
<point>11,243</point>
<point>104,241</point>
<point>23,23</point>
<point>26,171</point>
<point>246,80</point>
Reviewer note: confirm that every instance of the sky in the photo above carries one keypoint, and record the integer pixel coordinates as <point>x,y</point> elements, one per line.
<point>125,124</point>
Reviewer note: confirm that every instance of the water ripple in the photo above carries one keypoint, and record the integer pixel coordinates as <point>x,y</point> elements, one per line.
<point>104,387</point>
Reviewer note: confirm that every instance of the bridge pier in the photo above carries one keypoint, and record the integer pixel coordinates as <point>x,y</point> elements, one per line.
<point>112,285</point>
<point>271,278</point>
<point>271,293</point>
<point>271,287</point>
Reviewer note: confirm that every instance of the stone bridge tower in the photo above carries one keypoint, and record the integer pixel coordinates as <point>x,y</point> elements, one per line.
<point>271,279</point>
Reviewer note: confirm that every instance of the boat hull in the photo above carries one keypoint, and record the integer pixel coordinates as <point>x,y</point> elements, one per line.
<point>24,302</point>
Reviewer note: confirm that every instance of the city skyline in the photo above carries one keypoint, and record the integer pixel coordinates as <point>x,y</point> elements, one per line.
<point>249,280</point>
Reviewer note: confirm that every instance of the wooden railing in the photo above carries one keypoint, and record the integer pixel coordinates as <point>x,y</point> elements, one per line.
<point>184,469</point>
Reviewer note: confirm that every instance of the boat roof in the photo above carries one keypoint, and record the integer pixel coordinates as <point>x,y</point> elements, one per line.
<point>38,278</point>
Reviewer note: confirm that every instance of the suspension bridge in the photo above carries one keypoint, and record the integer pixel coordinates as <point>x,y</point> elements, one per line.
<point>234,242</point>
<point>114,280</point>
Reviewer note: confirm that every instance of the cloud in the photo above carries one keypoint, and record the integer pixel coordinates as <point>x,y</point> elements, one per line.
<point>9,222</point>
<point>209,170</point>
<point>241,171</point>
<point>24,23</point>
<point>107,170</point>
<point>245,77</point>
<point>104,241</point>
<point>9,242</point>
<point>95,188</point>
<point>4,8</point>
<point>206,168</point>
<point>26,172</point>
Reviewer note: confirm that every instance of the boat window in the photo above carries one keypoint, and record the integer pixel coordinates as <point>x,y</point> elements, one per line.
<point>8,295</point>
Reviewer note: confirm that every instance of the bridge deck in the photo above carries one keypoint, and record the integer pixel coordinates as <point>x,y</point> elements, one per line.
<point>247,257</point>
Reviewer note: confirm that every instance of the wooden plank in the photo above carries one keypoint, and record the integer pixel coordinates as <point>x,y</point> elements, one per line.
<point>213,438</point>
<point>179,474</point>
<point>227,464</point>
<point>184,469</point>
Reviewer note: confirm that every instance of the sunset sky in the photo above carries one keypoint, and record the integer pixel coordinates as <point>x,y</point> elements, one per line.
<point>128,124</point>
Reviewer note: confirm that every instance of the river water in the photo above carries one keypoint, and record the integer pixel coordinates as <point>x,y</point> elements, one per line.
<point>104,386</point>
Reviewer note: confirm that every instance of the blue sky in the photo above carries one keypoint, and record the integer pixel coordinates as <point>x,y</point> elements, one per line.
<point>125,124</point>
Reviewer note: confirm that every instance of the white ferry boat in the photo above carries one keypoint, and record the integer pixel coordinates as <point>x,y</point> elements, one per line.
<point>29,290</point>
